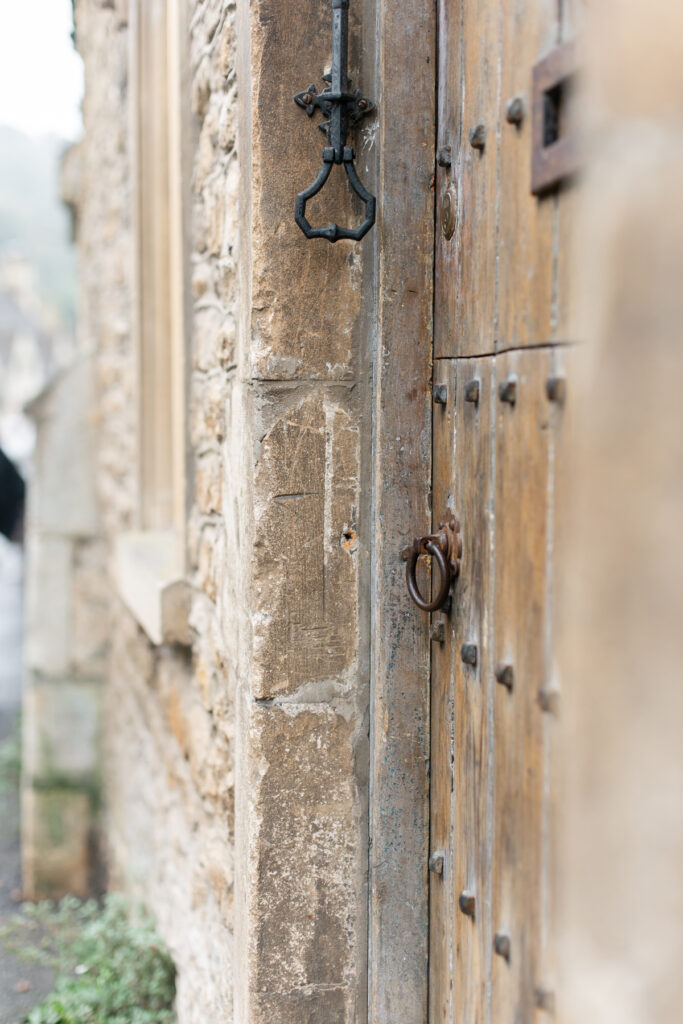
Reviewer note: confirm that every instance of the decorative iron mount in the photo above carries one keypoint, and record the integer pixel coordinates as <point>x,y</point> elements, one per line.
<point>340,107</point>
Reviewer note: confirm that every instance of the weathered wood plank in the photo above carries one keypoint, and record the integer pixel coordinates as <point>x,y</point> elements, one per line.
<point>526,221</point>
<point>567,212</point>
<point>449,145</point>
<point>469,100</point>
<point>558,499</point>
<point>399,817</point>
<point>520,544</point>
<point>472,688</point>
<point>442,710</point>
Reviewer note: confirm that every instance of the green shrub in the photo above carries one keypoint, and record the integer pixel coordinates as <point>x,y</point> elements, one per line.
<point>10,761</point>
<point>111,966</point>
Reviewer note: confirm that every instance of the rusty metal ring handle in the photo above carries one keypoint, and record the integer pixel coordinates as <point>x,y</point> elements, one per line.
<point>446,547</point>
<point>431,547</point>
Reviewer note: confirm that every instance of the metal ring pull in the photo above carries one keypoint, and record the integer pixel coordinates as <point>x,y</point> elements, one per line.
<point>446,548</point>
<point>340,107</point>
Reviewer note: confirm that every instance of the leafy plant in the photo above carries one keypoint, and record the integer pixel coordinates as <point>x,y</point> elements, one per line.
<point>112,967</point>
<point>10,761</point>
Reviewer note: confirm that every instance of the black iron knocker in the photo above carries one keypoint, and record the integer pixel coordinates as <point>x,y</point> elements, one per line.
<point>341,108</point>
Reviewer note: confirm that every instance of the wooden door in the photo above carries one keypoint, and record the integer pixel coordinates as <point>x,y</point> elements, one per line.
<point>501,331</point>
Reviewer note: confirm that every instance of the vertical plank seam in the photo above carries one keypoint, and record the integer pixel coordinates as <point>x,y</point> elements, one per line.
<point>450,901</point>
<point>499,137</point>
<point>546,833</point>
<point>490,683</point>
<point>459,197</point>
<point>430,674</point>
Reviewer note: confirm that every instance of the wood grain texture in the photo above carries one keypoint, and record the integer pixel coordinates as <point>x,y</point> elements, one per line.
<point>442,723</point>
<point>520,543</point>
<point>567,209</point>
<point>399,817</point>
<point>469,95</point>
<point>503,284</point>
<point>446,178</point>
<point>525,246</point>
<point>559,499</point>
<point>472,688</point>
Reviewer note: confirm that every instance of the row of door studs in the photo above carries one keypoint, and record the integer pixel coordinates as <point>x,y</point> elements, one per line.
<point>555,389</point>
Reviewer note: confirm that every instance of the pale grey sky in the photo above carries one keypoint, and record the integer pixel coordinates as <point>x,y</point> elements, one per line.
<point>41,75</point>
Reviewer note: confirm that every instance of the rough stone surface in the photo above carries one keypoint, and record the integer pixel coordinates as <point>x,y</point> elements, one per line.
<point>49,612</point>
<point>169,724</point>
<point>22,985</point>
<point>309,848</point>
<point>65,647</point>
<point>264,910</point>
<point>61,742</point>
<point>63,499</point>
<point>56,838</point>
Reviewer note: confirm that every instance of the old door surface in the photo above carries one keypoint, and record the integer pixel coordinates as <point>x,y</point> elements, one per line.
<point>501,331</point>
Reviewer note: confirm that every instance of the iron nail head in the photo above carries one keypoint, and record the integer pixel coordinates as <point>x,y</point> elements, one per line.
<point>505,674</point>
<point>466,902</point>
<point>508,391</point>
<point>549,700</point>
<point>472,391</point>
<point>515,110</point>
<point>544,1000</point>
<point>437,632</point>
<point>478,136</point>
<point>556,389</point>
<point>436,862</point>
<point>443,157</point>
<point>468,653</point>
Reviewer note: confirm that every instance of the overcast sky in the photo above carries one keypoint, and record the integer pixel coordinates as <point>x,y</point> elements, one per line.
<point>41,75</point>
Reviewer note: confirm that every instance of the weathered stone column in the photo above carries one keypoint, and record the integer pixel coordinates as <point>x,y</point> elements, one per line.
<point>302,760</point>
<point>66,640</point>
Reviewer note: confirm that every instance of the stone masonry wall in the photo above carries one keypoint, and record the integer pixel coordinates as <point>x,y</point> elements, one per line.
<point>169,718</point>
<point>65,647</point>
<point>303,753</point>
<point>237,768</point>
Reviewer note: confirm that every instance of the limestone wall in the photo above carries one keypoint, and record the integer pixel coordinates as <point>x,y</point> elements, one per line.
<point>169,722</point>
<point>65,646</point>
<point>263,906</point>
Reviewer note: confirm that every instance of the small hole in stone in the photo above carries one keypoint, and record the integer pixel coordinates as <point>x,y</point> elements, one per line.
<point>349,539</point>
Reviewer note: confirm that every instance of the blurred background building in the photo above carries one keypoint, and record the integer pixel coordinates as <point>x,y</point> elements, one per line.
<point>37,334</point>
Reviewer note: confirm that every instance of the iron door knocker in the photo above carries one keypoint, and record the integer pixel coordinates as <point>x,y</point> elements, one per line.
<point>340,107</point>
<point>445,547</point>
